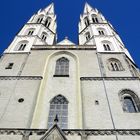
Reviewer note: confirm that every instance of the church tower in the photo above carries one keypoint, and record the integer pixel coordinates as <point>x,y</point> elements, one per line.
<point>53,90</point>
<point>39,30</point>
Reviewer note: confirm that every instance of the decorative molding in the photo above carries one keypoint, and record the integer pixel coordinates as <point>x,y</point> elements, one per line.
<point>79,132</point>
<point>21,78</point>
<point>63,48</point>
<point>111,52</point>
<point>102,132</point>
<point>17,52</point>
<point>108,78</point>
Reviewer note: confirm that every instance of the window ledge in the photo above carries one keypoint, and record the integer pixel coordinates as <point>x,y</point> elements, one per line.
<point>61,76</point>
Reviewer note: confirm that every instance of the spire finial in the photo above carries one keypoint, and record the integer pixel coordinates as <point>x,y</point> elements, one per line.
<point>56,119</point>
<point>66,37</point>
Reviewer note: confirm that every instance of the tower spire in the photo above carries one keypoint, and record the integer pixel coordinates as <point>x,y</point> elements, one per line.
<point>49,9</point>
<point>88,8</point>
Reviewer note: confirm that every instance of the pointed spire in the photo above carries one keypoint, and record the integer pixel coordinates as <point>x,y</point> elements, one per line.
<point>49,9</point>
<point>88,8</point>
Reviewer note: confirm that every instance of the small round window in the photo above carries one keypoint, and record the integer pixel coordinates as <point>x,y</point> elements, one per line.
<point>20,100</point>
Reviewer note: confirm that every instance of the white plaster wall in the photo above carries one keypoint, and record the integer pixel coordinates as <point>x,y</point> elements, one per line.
<point>101,137</point>
<point>10,137</point>
<point>95,116</point>
<point>12,113</point>
<point>17,59</point>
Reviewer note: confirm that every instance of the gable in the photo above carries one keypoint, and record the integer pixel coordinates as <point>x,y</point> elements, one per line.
<point>55,133</point>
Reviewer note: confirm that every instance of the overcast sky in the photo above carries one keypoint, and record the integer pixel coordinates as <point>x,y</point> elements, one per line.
<point>123,14</point>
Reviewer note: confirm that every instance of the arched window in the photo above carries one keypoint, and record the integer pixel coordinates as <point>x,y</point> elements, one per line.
<point>48,22</point>
<point>59,107</point>
<point>30,31</point>
<point>128,104</point>
<point>62,67</point>
<point>87,35</point>
<point>95,19</point>
<point>114,65</point>
<point>44,36</point>
<point>101,31</point>
<point>107,46</point>
<point>130,101</point>
<point>86,20</point>
<point>21,45</point>
<point>40,19</point>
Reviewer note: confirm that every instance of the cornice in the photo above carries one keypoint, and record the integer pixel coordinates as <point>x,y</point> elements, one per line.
<point>41,25</point>
<point>64,48</point>
<point>21,78</point>
<point>108,78</point>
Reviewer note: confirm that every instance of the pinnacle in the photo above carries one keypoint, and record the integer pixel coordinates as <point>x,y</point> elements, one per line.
<point>49,9</point>
<point>87,8</point>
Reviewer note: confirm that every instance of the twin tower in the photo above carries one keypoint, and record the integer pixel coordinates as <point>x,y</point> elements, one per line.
<point>53,90</point>
<point>94,30</point>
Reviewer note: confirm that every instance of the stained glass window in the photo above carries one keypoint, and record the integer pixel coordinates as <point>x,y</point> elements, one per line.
<point>59,107</point>
<point>62,66</point>
<point>128,105</point>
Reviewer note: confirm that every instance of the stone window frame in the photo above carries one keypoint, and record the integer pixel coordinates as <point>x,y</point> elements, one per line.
<point>102,31</point>
<point>114,64</point>
<point>59,107</point>
<point>94,18</point>
<point>107,45</point>
<point>48,22</point>
<point>21,45</point>
<point>44,36</point>
<point>39,19</point>
<point>30,31</point>
<point>134,97</point>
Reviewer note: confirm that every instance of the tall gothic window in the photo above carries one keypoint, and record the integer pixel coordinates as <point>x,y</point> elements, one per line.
<point>62,67</point>
<point>128,104</point>
<point>48,22</point>
<point>59,107</point>
<point>130,101</point>
<point>86,21</point>
<point>114,65</point>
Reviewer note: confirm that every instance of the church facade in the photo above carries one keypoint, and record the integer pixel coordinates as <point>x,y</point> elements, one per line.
<point>53,90</point>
